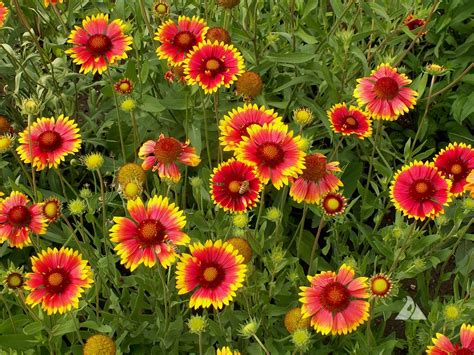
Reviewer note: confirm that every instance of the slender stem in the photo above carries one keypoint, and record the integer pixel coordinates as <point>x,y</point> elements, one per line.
<point>260,210</point>
<point>22,166</point>
<point>9,313</point>
<point>104,205</point>
<point>315,244</point>
<point>58,15</point>
<point>405,245</point>
<point>30,146</point>
<point>451,84</point>
<point>136,138</point>
<point>165,295</point>
<point>200,344</point>
<point>206,134</point>
<point>300,236</point>
<point>147,20</point>
<point>433,79</point>
<point>119,123</point>
<point>216,113</point>
<point>372,156</point>
<point>261,344</point>
<point>76,327</point>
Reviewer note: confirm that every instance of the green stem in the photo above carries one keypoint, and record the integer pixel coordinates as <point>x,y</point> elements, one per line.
<point>200,344</point>
<point>76,328</point>
<point>30,146</point>
<point>300,236</point>
<point>451,84</point>
<point>58,15</point>
<point>405,245</point>
<point>315,245</point>
<point>206,134</point>
<point>147,20</point>
<point>119,123</point>
<point>260,210</point>
<point>136,137</point>
<point>371,163</point>
<point>104,205</point>
<point>165,296</point>
<point>433,79</point>
<point>216,113</point>
<point>261,344</point>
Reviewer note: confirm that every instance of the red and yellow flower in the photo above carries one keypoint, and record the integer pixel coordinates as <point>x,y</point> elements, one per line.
<point>52,2</point>
<point>276,154</point>
<point>444,346</point>
<point>336,302</point>
<point>98,43</point>
<point>349,121</point>
<point>178,39</point>
<point>235,186</point>
<point>316,180</point>
<point>380,285</point>
<point>151,235</point>
<point>58,280</point>
<point>234,125</point>
<point>124,86</point>
<point>212,65</point>
<point>19,217</point>
<point>413,23</point>
<point>420,191</point>
<point>385,93</point>
<point>3,13</point>
<point>214,270</point>
<point>333,204</point>
<point>52,139</point>
<point>163,154</point>
<point>470,183</point>
<point>51,209</point>
<point>455,163</point>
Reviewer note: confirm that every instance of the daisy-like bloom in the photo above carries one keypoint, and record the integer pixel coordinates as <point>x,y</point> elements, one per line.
<point>435,69</point>
<point>349,121</point>
<point>380,285</point>
<point>215,269</point>
<point>178,39</point>
<point>444,346</point>
<point>249,85</point>
<point>333,204</point>
<point>6,142</point>
<point>124,86</point>
<point>385,93</point>
<point>58,279</point>
<point>420,191</point>
<point>3,13</point>
<point>163,154</point>
<point>212,65</point>
<point>456,162</point>
<point>336,302</point>
<point>413,23</point>
<point>235,186</point>
<point>316,181</point>
<point>52,139</point>
<point>52,2</point>
<point>51,209</point>
<point>98,43</point>
<point>19,217</point>
<point>234,125</point>
<point>161,8</point>
<point>13,279</point>
<point>470,183</point>
<point>227,351</point>
<point>276,154</point>
<point>151,235</point>
<point>99,344</point>
<point>218,34</point>
<point>303,116</point>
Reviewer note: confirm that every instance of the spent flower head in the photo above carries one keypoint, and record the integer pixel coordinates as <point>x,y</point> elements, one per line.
<point>250,328</point>
<point>273,214</point>
<point>197,324</point>
<point>301,339</point>
<point>77,207</point>
<point>93,161</point>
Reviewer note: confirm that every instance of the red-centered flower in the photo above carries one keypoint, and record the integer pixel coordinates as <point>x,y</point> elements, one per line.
<point>151,235</point>
<point>333,204</point>
<point>316,180</point>
<point>52,139</point>
<point>336,302</point>
<point>163,154</point>
<point>444,346</point>
<point>178,39</point>
<point>19,217</point>
<point>3,13</point>
<point>124,86</point>
<point>52,2</point>
<point>455,163</point>
<point>420,191</point>
<point>349,121</point>
<point>98,43</point>
<point>385,93</point>
<point>276,154</point>
<point>380,285</point>
<point>58,280</point>
<point>234,125</point>
<point>214,270</point>
<point>413,23</point>
<point>235,186</point>
<point>212,65</point>
<point>51,209</point>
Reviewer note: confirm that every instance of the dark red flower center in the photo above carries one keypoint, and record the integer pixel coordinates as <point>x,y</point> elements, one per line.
<point>14,280</point>
<point>99,45</point>
<point>185,41</point>
<point>422,190</point>
<point>462,351</point>
<point>211,275</point>
<point>335,297</point>
<point>415,24</point>
<point>315,167</point>
<point>161,8</point>
<point>350,122</point>
<point>213,66</point>
<point>56,280</point>
<point>380,286</point>
<point>386,88</point>
<point>457,171</point>
<point>271,154</point>
<point>168,150</point>
<point>243,129</point>
<point>49,141</point>
<point>333,204</point>
<point>19,216</point>
<point>151,232</point>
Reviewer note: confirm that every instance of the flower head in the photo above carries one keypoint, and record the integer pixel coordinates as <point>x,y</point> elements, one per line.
<point>451,312</point>
<point>240,220</point>
<point>6,142</point>
<point>227,351</point>
<point>212,65</point>
<point>99,344</point>
<point>274,214</point>
<point>18,218</point>
<point>30,106</point>
<point>3,13</point>
<point>178,39</point>
<point>124,86</point>
<point>235,186</point>
<point>234,125</point>
<point>470,183</point>
<point>333,204</point>
<point>128,105</point>
<point>275,153</point>
<point>242,246</point>
<point>215,271</point>
<point>131,172</point>
<point>349,121</point>
<point>250,328</point>
<point>58,279</point>
<point>455,163</point>
<point>380,285</point>
<point>413,23</point>
<point>76,206</point>
<point>303,116</point>
<point>316,180</point>
<point>336,302</point>
<point>444,346</point>
<point>420,191</point>
<point>151,235</point>
<point>14,279</point>
<point>5,125</point>
<point>163,154</point>
<point>249,85</point>
<point>435,69</point>
<point>161,8</point>
<point>51,209</point>
<point>93,161</point>
<point>228,4</point>
<point>301,339</point>
<point>197,324</point>
<point>218,34</point>
<point>52,139</point>
<point>294,320</point>
<point>52,2</point>
<point>385,93</point>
